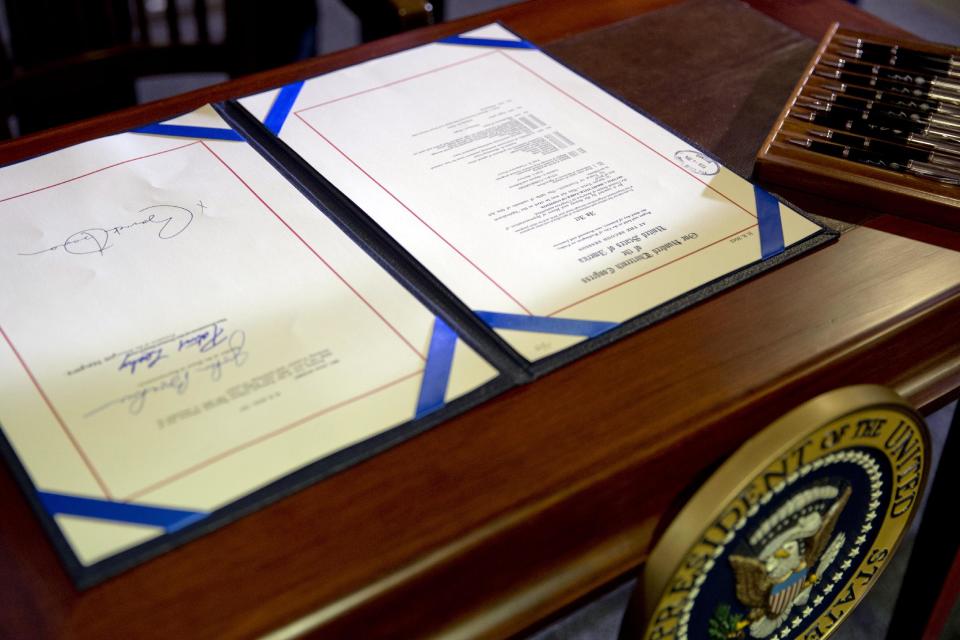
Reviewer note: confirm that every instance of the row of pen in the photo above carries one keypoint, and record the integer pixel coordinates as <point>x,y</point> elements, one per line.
<point>882,105</point>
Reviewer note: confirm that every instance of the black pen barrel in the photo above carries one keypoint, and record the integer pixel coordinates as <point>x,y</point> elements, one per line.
<point>932,139</point>
<point>848,95</point>
<point>905,60</point>
<point>858,92</point>
<point>836,120</point>
<point>901,52</point>
<point>902,76</point>
<point>890,161</point>
<point>879,146</point>
<point>871,82</point>
<point>895,75</point>
<point>863,156</point>
<point>899,112</point>
<point>883,117</point>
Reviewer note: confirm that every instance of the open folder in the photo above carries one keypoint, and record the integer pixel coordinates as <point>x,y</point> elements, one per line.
<point>201,315</point>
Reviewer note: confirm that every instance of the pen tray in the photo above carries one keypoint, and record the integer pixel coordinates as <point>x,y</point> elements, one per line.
<point>782,163</point>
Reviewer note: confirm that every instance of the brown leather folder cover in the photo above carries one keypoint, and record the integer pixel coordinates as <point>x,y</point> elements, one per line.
<point>715,71</point>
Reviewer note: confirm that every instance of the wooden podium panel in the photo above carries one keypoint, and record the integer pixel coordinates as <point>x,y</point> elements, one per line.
<point>502,516</point>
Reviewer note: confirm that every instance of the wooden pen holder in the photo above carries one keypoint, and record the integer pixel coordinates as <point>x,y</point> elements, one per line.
<point>780,162</point>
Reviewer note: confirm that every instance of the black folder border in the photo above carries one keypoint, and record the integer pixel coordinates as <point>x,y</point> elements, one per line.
<point>375,241</point>
<point>513,368</point>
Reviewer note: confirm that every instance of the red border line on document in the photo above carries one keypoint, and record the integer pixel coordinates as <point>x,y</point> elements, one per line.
<point>267,436</point>
<point>450,244</point>
<point>109,166</point>
<point>394,82</point>
<point>630,135</point>
<point>259,439</point>
<point>56,414</point>
<point>317,255</point>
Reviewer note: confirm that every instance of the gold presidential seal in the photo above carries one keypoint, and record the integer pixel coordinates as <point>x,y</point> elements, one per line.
<point>785,539</point>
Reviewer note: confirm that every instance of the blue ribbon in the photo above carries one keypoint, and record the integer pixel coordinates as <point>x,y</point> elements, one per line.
<point>540,324</point>
<point>184,131</point>
<point>277,115</point>
<point>768,219</point>
<point>487,42</point>
<point>169,520</point>
<point>436,374</point>
<point>281,106</point>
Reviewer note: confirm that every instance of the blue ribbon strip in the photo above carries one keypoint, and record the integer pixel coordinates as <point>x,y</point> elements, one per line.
<point>169,520</point>
<point>436,374</point>
<point>277,115</point>
<point>768,219</point>
<point>281,106</point>
<point>184,131</point>
<point>487,42</point>
<point>540,324</point>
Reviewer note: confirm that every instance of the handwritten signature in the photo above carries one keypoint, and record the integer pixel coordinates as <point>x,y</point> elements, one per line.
<point>178,381</point>
<point>147,358</point>
<point>203,340</point>
<point>234,355</point>
<point>172,220</point>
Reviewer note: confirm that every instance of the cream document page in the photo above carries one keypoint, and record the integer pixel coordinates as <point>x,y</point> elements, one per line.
<point>180,327</point>
<point>535,196</point>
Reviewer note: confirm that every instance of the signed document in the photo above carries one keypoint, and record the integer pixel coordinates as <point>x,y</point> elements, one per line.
<point>527,190</point>
<point>180,327</point>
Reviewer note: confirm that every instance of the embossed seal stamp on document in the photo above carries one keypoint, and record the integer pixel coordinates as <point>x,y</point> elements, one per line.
<point>794,529</point>
<point>696,162</point>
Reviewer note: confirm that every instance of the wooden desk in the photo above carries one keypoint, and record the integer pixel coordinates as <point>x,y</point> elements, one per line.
<point>498,518</point>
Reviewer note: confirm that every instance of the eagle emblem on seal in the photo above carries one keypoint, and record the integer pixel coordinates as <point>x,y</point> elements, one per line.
<point>796,546</point>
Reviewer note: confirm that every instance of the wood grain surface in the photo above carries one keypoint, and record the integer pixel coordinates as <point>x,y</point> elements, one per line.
<point>500,517</point>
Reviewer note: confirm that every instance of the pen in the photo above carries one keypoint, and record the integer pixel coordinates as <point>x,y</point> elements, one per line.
<point>895,99</point>
<point>882,161</point>
<point>860,127</point>
<point>892,149</point>
<point>902,60</point>
<point>947,120</point>
<point>949,61</point>
<point>880,84</point>
<point>884,118</point>
<point>918,79</point>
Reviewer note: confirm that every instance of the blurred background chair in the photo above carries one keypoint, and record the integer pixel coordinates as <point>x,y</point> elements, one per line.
<point>71,59</point>
<point>64,60</point>
<point>381,18</point>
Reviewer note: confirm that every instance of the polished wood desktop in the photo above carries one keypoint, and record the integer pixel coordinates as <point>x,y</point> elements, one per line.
<point>503,516</point>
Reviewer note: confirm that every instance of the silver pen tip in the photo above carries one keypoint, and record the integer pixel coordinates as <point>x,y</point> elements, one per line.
<point>809,103</point>
<point>824,96</point>
<point>807,117</point>
<point>849,53</point>
<point>850,40</point>
<point>833,75</point>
